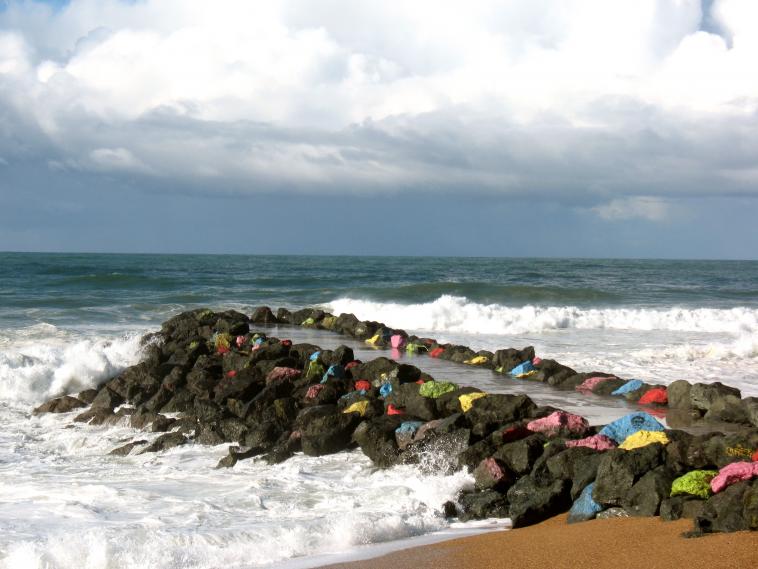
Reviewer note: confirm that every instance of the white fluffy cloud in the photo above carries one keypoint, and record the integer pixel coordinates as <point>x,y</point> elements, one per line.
<point>599,100</point>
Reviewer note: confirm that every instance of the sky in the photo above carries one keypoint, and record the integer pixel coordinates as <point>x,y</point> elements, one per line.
<point>560,128</point>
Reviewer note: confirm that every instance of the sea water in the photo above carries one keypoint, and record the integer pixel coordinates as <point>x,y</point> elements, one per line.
<point>67,322</point>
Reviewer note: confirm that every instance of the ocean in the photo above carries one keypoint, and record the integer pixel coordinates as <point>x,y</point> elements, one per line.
<point>68,321</point>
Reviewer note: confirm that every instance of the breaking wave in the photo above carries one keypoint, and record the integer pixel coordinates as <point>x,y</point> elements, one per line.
<point>42,361</point>
<point>460,315</point>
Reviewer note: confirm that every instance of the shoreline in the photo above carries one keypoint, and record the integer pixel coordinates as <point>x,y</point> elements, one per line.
<point>631,543</point>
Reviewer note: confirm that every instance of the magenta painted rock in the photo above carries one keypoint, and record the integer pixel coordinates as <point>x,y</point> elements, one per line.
<point>559,421</point>
<point>591,383</point>
<point>536,361</point>
<point>597,442</point>
<point>734,472</point>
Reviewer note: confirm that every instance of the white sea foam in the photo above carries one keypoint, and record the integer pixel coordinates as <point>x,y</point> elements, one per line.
<point>42,361</point>
<point>65,503</point>
<point>658,345</point>
<point>458,314</point>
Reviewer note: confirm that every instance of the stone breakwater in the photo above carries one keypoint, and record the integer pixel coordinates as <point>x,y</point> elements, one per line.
<point>210,378</point>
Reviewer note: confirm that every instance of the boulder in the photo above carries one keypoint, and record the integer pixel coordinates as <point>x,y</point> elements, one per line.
<point>703,395</point>
<point>531,503</point>
<point>107,399</point>
<point>584,507</point>
<point>645,497</point>
<point>327,432</point>
<point>724,512</point>
<point>263,315</point>
<point>520,456</point>
<point>678,507</point>
<point>619,470</point>
<point>679,394</point>
<point>482,505</point>
<point>165,442</point>
<point>376,437</point>
<point>63,404</point>
<point>728,409</point>
<point>492,474</point>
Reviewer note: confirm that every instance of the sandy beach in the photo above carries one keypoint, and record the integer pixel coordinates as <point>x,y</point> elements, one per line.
<point>629,543</point>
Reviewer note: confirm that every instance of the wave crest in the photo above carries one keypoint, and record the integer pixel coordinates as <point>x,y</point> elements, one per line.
<point>459,314</point>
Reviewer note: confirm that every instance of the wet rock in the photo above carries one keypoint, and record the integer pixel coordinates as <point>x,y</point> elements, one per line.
<point>288,445</point>
<point>751,407</point>
<point>327,433</point>
<point>107,399</point>
<point>509,358</point>
<point>263,315</point>
<point>729,409</point>
<point>97,416</point>
<point>492,474</point>
<point>63,404</point>
<point>88,396</point>
<point>482,505</point>
<point>679,394</point>
<point>238,453</point>
<point>165,442</point>
<point>703,395</point>
<point>179,403</point>
<point>127,448</point>
<point>232,322</point>
<point>531,503</point>
<point>376,438</point>
<point>495,410</point>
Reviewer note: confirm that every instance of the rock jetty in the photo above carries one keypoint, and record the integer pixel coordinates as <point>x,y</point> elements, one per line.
<point>218,377</point>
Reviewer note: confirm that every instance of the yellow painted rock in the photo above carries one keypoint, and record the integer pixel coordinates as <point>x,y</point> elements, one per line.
<point>467,400</point>
<point>644,438</point>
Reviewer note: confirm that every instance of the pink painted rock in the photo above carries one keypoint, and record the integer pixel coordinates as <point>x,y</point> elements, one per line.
<point>491,474</point>
<point>734,472</point>
<point>314,390</point>
<point>536,361</point>
<point>282,374</point>
<point>591,383</point>
<point>557,422</point>
<point>597,442</point>
<point>397,341</point>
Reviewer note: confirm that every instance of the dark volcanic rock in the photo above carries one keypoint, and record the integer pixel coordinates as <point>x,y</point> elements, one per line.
<point>620,469</point>
<point>481,505</point>
<point>492,474</point>
<point>263,315</point>
<point>703,395</point>
<point>127,448</point>
<point>725,511</point>
<point>644,498</point>
<point>107,399</point>
<point>326,431</point>
<point>376,438</point>
<point>531,503</point>
<point>520,456</point>
<point>165,442</point>
<point>63,404</point>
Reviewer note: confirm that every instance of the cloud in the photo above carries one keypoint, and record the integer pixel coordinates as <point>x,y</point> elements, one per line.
<point>622,106</point>
<point>638,207</point>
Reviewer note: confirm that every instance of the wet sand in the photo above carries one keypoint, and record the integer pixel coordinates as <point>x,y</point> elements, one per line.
<point>629,543</point>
